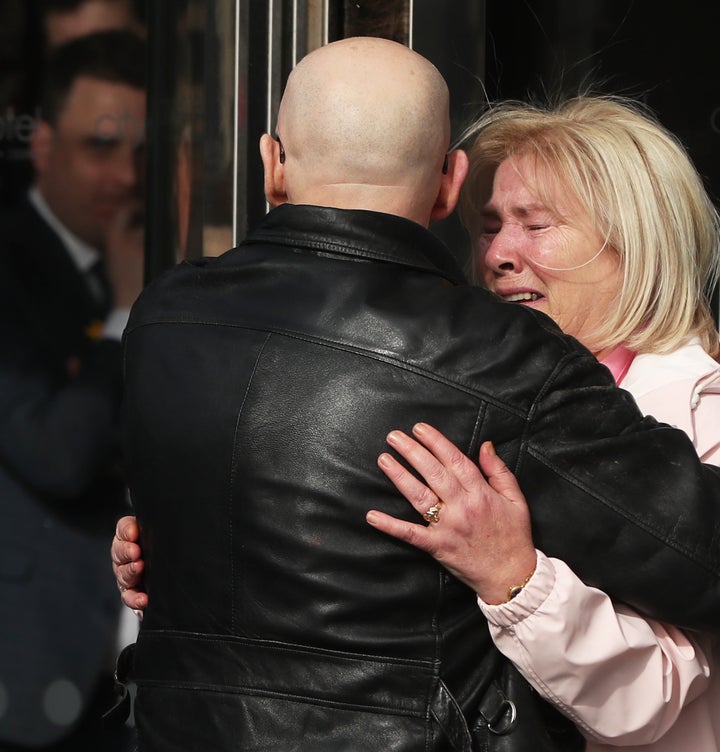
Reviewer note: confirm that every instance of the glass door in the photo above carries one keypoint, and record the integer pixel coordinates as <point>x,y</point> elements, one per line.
<point>217,70</point>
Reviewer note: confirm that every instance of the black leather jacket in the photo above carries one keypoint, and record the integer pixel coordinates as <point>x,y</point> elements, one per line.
<point>260,388</point>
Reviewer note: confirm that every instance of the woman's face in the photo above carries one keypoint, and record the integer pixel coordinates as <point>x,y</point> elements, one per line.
<point>547,258</point>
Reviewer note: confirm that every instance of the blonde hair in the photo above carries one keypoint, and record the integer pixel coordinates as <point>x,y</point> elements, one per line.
<point>641,192</point>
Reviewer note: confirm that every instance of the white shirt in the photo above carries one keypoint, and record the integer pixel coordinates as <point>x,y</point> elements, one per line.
<point>84,257</point>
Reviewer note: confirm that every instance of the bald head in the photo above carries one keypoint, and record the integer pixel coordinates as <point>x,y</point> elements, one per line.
<point>361,120</point>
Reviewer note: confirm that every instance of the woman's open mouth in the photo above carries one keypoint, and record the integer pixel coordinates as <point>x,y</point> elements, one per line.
<point>521,297</point>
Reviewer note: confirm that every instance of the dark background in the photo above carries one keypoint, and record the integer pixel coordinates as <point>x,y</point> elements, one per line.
<point>669,60</point>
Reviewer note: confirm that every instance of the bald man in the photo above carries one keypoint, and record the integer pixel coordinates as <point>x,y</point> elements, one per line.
<point>382,151</point>
<point>260,387</point>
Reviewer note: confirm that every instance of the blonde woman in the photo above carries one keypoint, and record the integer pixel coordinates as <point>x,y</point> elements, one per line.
<point>592,213</point>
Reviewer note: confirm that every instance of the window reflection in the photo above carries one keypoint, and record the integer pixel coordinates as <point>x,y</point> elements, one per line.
<point>389,19</point>
<point>219,67</point>
<point>205,124</point>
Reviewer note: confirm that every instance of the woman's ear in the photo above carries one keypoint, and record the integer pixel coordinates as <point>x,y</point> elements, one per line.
<point>452,180</point>
<point>274,170</point>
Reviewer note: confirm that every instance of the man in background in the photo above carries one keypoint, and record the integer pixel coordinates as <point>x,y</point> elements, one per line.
<point>71,265</point>
<point>42,26</point>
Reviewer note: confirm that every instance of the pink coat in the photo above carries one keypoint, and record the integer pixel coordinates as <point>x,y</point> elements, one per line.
<point>627,682</point>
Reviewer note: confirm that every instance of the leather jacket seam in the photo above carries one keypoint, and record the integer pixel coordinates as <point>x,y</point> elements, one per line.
<point>233,476</point>
<point>518,412</point>
<point>252,692</point>
<point>525,439</point>
<point>355,253</point>
<point>289,647</point>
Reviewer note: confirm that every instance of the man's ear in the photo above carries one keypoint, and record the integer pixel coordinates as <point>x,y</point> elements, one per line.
<point>274,170</point>
<point>452,180</point>
<point>41,143</point>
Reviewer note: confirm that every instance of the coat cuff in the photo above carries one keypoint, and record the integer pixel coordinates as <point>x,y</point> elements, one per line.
<point>527,601</point>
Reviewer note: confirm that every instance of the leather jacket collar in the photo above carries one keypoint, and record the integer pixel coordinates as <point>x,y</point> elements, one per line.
<point>361,234</point>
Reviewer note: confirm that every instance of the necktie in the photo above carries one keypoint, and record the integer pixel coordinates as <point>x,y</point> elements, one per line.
<point>99,285</point>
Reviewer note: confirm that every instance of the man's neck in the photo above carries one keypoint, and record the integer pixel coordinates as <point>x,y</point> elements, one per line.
<point>385,199</point>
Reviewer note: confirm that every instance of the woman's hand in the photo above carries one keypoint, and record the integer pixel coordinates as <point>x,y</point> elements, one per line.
<point>478,529</point>
<point>128,565</point>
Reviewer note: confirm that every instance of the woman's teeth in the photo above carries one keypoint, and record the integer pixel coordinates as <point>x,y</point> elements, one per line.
<point>515,297</point>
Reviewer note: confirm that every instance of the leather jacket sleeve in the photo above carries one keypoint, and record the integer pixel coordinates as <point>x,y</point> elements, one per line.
<point>594,658</point>
<point>624,501</point>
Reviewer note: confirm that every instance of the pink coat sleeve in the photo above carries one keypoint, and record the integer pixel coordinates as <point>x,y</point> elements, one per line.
<point>595,660</point>
<point>623,679</point>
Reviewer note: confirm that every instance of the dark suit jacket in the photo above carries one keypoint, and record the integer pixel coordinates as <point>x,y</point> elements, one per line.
<point>60,486</point>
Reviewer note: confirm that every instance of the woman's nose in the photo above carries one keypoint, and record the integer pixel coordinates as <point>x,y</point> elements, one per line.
<point>500,252</point>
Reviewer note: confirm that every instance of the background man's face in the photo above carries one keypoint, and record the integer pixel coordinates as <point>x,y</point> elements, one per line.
<point>89,166</point>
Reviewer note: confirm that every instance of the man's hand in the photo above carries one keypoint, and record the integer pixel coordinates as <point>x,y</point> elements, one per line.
<point>124,255</point>
<point>128,565</point>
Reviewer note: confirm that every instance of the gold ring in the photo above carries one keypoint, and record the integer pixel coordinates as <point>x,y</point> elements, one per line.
<point>433,514</point>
